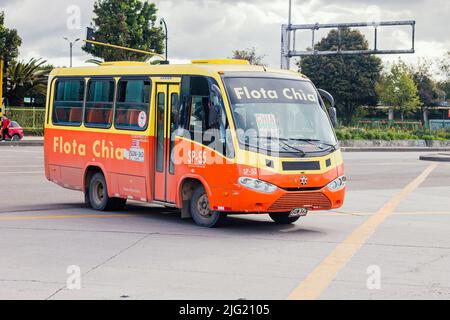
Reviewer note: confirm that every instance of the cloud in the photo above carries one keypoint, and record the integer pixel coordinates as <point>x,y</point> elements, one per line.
<point>214,28</point>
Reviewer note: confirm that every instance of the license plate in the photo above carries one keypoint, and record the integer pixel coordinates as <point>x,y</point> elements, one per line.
<point>301,212</point>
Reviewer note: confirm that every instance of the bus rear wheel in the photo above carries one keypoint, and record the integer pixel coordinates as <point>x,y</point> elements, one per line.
<point>283,218</point>
<point>201,211</point>
<point>98,195</point>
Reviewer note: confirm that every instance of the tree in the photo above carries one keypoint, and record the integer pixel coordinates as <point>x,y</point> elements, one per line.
<point>397,89</point>
<point>444,84</point>
<point>444,90</point>
<point>26,79</point>
<point>444,66</point>
<point>128,23</point>
<point>9,41</point>
<point>427,88</point>
<point>250,55</point>
<point>351,79</point>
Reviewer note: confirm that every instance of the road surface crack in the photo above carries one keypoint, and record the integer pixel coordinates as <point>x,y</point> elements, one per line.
<point>104,262</point>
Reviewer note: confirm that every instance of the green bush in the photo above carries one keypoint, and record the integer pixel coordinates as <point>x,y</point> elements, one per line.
<point>348,133</point>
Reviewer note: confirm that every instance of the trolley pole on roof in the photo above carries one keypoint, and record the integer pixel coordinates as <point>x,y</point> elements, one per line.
<point>90,42</point>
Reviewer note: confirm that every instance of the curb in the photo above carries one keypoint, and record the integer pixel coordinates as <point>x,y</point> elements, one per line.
<point>436,157</point>
<point>391,149</point>
<point>22,144</point>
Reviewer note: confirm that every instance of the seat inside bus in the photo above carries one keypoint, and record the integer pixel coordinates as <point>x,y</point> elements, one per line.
<point>99,115</point>
<point>76,115</point>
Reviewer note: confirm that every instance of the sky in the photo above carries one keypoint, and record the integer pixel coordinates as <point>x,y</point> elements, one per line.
<point>214,28</point>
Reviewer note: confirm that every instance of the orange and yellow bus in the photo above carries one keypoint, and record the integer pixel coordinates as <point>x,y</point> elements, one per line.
<point>212,138</point>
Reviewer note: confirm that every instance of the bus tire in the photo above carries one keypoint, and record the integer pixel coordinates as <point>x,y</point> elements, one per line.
<point>283,218</point>
<point>201,212</point>
<point>98,194</point>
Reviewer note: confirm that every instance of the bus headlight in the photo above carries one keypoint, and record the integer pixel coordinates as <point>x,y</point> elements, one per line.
<point>257,185</point>
<point>337,185</point>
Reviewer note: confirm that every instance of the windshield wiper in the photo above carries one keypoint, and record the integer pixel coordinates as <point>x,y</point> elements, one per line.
<point>284,145</point>
<point>312,142</point>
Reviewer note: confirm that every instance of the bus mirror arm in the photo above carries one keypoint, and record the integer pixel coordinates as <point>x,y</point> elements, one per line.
<point>332,110</point>
<point>328,96</point>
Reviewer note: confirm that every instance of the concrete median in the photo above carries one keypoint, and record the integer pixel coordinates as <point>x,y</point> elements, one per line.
<point>439,157</point>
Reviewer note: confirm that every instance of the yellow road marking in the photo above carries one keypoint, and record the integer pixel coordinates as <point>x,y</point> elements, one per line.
<point>316,282</point>
<point>74,216</point>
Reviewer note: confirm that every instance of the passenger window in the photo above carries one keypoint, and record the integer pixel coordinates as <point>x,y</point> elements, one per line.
<point>175,106</point>
<point>132,107</point>
<point>99,103</point>
<point>68,102</point>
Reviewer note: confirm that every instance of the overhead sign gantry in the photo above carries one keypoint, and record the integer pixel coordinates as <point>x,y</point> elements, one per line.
<point>289,43</point>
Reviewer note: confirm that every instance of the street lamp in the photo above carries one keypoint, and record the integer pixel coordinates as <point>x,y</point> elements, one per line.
<point>163,23</point>
<point>71,43</point>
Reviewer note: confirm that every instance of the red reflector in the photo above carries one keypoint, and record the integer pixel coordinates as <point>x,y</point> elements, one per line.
<point>221,208</point>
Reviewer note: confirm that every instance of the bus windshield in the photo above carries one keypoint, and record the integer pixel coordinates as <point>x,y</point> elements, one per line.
<point>279,114</point>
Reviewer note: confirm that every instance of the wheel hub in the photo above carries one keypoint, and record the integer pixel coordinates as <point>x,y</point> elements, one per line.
<point>203,206</point>
<point>99,192</point>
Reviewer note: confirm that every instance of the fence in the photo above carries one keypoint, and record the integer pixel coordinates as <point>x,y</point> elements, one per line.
<point>439,124</point>
<point>384,124</point>
<point>30,119</point>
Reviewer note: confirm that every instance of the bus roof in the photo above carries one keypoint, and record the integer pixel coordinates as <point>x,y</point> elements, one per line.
<point>201,67</point>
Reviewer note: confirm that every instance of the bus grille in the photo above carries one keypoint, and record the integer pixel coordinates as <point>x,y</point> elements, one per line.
<point>294,200</point>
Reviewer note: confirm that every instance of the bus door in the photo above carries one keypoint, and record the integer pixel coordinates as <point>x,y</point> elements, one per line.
<point>167,104</point>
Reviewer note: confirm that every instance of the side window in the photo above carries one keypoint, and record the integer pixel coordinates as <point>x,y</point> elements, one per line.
<point>160,132</point>
<point>199,101</point>
<point>197,120</point>
<point>132,106</point>
<point>68,102</point>
<point>99,104</point>
<point>175,107</point>
<point>174,118</point>
<point>202,114</point>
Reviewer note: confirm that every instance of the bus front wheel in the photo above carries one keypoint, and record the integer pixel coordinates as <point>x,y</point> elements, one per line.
<point>98,195</point>
<point>283,218</point>
<point>201,211</point>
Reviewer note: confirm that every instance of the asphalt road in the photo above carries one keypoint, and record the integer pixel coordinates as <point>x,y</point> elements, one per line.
<point>391,240</point>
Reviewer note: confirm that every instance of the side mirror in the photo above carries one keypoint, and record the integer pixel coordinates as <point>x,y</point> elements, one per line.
<point>217,117</point>
<point>332,110</point>
<point>327,96</point>
<point>216,95</point>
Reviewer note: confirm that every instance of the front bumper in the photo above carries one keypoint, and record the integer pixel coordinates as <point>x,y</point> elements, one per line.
<point>249,201</point>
